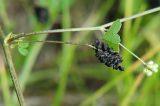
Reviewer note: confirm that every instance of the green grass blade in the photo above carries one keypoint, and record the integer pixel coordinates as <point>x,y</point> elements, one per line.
<point>5,85</point>
<point>34,51</point>
<point>66,58</point>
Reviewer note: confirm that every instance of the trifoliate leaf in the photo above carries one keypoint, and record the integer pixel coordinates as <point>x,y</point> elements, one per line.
<point>23,44</point>
<point>116,26</point>
<point>23,51</point>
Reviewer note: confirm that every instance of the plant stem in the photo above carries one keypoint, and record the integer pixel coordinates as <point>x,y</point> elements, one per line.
<point>109,85</point>
<point>21,35</point>
<point>91,46</point>
<point>135,16</point>
<point>100,28</point>
<point>61,42</point>
<point>136,56</point>
<point>132,53</point>
<point>12,71</point>
<point>4,82</point>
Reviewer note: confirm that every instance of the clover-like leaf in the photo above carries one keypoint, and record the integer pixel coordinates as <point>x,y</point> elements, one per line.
<point>23,44</point>
<point>116,26</point>
<point>112,40</point>
<point>114,46</point>
<point>111,37</point>
<point>23,51</point>
<point>22,48</point>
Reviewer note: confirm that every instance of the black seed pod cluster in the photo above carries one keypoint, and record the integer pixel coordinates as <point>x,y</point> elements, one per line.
<point>107,56</point>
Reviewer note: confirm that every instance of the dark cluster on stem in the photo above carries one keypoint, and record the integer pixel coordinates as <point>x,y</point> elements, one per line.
<point>106,55</point>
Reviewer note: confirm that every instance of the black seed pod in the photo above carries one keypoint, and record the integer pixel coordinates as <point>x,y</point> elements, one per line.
<point>107,56</point>
<point>41,13</point>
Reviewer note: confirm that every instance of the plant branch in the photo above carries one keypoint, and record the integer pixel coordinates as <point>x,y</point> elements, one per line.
<point>21,35</point>
<point>71,43</point>
<point>134,16</point>
<point>132,53</point>
<point>99,28</point>
<point>88,45</point>
<point>61,42</point>
<point>12,71</point>
<point>135,56</point>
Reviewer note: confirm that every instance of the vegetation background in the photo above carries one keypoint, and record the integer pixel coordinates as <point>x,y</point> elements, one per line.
<point>67,75</point>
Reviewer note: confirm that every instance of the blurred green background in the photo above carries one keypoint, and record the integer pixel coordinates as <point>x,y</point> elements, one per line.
<point>67,75</point>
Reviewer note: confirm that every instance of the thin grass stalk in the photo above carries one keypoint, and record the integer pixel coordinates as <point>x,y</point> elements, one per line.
<point>12,71</point>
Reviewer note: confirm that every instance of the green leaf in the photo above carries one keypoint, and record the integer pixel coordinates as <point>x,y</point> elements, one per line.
<point>22,48</point>
<point>23,51</point>
<point>116,26</point>
<point>111,37</point>
<point>112,40</point>
<point>114,46</point>
<point>23,44</point>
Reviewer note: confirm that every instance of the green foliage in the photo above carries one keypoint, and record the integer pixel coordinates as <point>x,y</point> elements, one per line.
<point>116,26</point>
<point>111,37</point>
<point>22,48</point>
<point>23,45</point>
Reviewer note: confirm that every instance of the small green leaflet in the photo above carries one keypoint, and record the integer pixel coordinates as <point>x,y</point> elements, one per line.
<point>116,26</point>
<point>111,37</point>
<point>23,51</point>
<point>22,48</point>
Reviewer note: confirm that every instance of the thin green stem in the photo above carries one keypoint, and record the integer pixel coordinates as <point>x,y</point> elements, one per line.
<point>4,83</point>
<point>136,56</point>
<point>88,45</point>
<point>134,16</point>
<point>21,35</point>
<point>132,53</point>
<point>12,71</point>
<point>61,42</point>
<point>99,28</point>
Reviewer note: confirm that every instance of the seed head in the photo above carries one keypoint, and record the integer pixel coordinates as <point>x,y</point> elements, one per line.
<point>106,55</point>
